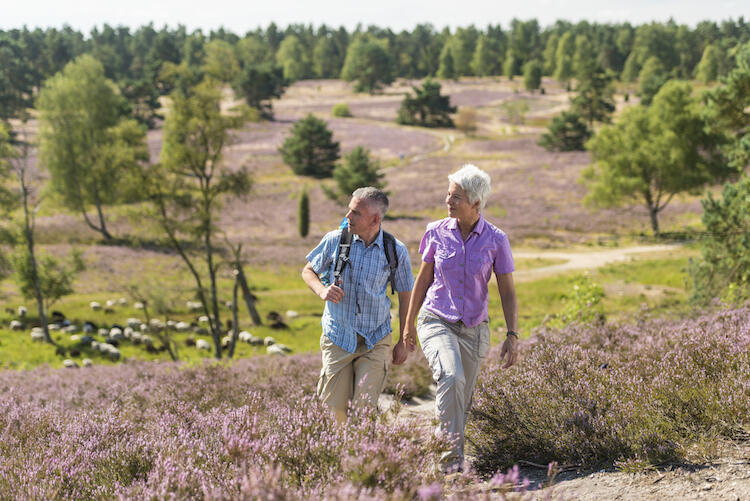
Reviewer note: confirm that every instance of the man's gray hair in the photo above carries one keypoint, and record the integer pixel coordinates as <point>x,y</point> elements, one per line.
<point>474,181</point>
<point>374,197</point>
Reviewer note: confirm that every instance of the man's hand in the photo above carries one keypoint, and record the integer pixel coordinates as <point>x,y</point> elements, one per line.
<point>332,293</point>
<point>399,352</point>
<point>510,348</point>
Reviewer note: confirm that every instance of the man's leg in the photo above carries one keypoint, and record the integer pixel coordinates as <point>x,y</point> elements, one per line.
<point>439,341</point>
<point>336,382</point>
<point>370,369</point>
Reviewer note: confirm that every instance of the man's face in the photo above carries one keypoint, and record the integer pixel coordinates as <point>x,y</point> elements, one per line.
<point>362,219</point>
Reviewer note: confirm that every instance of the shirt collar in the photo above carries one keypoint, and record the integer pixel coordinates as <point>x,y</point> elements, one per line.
<point>378,240</point>
<point>478,228</point>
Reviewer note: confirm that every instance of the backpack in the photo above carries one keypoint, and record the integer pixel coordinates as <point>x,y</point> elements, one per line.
<point>389,247</point>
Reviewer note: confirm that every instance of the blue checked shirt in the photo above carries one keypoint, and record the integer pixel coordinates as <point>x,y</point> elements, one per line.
<point>366,307</point>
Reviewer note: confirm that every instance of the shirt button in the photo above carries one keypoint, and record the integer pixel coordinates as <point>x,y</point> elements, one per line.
<point>460,297</point>
<point>460,281</point>
<point>461,264</point>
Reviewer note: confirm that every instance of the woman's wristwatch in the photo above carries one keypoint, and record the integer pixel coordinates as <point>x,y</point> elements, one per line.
<point>512,333</point>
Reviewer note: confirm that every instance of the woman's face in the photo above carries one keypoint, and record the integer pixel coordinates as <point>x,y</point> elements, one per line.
<point>458,203</point>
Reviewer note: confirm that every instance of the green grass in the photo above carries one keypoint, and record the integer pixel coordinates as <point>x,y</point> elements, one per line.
<point>281,289</point>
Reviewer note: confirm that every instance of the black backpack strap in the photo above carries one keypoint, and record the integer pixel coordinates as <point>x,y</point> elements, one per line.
<point>389,247</point>
<point>345,244</point>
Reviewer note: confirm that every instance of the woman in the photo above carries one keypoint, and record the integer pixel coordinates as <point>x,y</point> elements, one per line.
<point>459,254</point>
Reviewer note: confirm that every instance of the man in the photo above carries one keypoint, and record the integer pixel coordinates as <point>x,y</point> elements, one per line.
<point>356,321</point>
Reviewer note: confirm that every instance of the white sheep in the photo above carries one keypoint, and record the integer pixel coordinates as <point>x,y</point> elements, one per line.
<point>86,362</point>
<point>109,350</point>
<point>69,364</point>
<point>229,304</point>
<point>194,306</point>
<point>54,327</point>
<point>171,323</point>
<point>139,306</point>
<point>127,332</point>
<point>268,341</point>
<point>75,338</point>
<point>103,332</point>
<point>70,329</point>
<point>203,319</point>
<point>96,306</point>
<point>15,325</point>
<point>274,350</point>
<point>37,335</point>
<point>245,337</point>
<point>202,344</point>
<point>110,303</point>
<point>182,326</point>
<point>134,323</point>
<point>22,311</point>
<point>292,314</point>
<point>122,301</point>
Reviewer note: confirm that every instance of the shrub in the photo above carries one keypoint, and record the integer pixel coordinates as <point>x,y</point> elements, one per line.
<point>427,108</point>
<point>532,75</point>
<point>303,214</point>
<point>582,304</point>
<point>515,110</point>
<point>593,395</point>
<point>357,171</point>
<point>466,121</point>
<point>341,110</point>
<point>567,132</point>
<point>310,150</point>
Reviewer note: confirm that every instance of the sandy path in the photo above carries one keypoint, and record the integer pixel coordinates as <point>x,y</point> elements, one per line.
<point>583,260</point>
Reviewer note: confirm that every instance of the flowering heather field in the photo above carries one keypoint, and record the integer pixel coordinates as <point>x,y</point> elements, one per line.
<point>632,395</point>
<point>249,430</point>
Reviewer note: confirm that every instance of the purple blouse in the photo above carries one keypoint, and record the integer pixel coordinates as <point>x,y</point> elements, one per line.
<point>463,269</point>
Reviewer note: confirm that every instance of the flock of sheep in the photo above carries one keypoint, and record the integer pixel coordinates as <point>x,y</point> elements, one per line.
<point>138,333</point>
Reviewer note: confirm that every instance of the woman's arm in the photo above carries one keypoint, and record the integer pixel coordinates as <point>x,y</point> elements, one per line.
<point>510,310</point>
<point>424,279</point>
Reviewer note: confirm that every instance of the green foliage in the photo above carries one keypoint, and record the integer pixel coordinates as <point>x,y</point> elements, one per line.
<point>488,58</point>
<point>55,277</point>
<point>253,50</point>
<point>258,84</point>
<point>15,79</point>
<point>447,68</point>
<point>584,58</point>
<point>310,149</point>
<point>567,132</point>
<point>631,70</point>
<point>515,110</point>
<point>369,63</point>
<point>726,110</point>
<point>511,64</point>
<point>724,268</point>
<point>566,47</point>
<point>462,46</point>
<point>654,153</point>
<point>532,75</point>
<point>595,100</point>
<point>341,110</point>
<point>327,58</point>
<point>303,214</point>
<point>221,61</point>
<point>88,149</point>
<point>427,108</point>
<point>550,54</point>
<point>582,304</point>
<point>293,58</point>
<point>358,170</point>
<point>708,68</point>
<point>650,80</point>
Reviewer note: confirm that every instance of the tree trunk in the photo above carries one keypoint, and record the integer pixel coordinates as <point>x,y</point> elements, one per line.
<point>216,329</point>
<point>653,212</point>
<point>235,320</point>
<point>103,226</point>
<point>247,295</point>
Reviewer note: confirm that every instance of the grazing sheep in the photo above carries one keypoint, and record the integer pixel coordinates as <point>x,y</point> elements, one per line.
<point>245,337</point>
<point>268,341</point>
<point>22,311</point>
<point>89,327</point>
<point>274,350</point>
<point>111,302</point>
<point>54,327</point>
<point>70,329</point>
<point>194,306</point>
<point>202,344</point>
<point>182,326</point>
<point>86,362</point>
<point>171,324</point>
<point>127,332</point>
<point>225,341</point>
<point>75,338</point>
<point>74,352</point>
<point>134,323</point>
<point>37,335</point>
<point>110,350</point>
<point>147,340</point>
<point>136,338</point>
<point>229,304</point>
<point>276,320</point>
<point>203,319</point>
<point>122,301</point>
<point>292,314</point>
<point>201,331</point>
<point>57,316</point>
<point>109,311</point>
<point>103,332</point>
<point>95,345</point>
<point>139,306</point>
<point>16,325</point>
<point>190,341</point>
<point>284,348</point>
<point>86,340</point>
<point>69,364</point>
<point>96,306</point>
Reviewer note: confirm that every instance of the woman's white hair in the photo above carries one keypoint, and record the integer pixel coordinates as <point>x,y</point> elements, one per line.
<point>474,181</point>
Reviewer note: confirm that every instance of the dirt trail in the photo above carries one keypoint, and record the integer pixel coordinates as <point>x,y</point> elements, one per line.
<point>583,260</point>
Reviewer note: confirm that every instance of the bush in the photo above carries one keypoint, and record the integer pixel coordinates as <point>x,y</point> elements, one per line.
<point>310,150</point>
<point>303,214</point>
<point>582,304</point>
<point>515,111</point>
<point>466,121</point>
<point>357,171</point>
<point>341,110</point>
<point>532,75</point>
<point>596,395</point>
<point>724,268</point>
<point>567,132</point>
<point>427,108</point>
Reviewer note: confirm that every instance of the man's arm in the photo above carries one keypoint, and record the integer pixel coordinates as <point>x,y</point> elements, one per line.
<point>510,310</point>
<point>332,293</point>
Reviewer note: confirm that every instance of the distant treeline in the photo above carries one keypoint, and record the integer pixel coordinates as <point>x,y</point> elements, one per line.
<point>148,62</point>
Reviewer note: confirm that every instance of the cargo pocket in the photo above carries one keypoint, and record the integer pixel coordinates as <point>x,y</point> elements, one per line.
<point>484,339</point>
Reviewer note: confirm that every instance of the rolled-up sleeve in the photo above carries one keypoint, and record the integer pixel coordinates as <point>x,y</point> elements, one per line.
<point>503,257</point>
<point>321,257</point>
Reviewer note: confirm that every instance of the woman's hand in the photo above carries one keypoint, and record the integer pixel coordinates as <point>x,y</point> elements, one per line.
<point>510,348</point>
